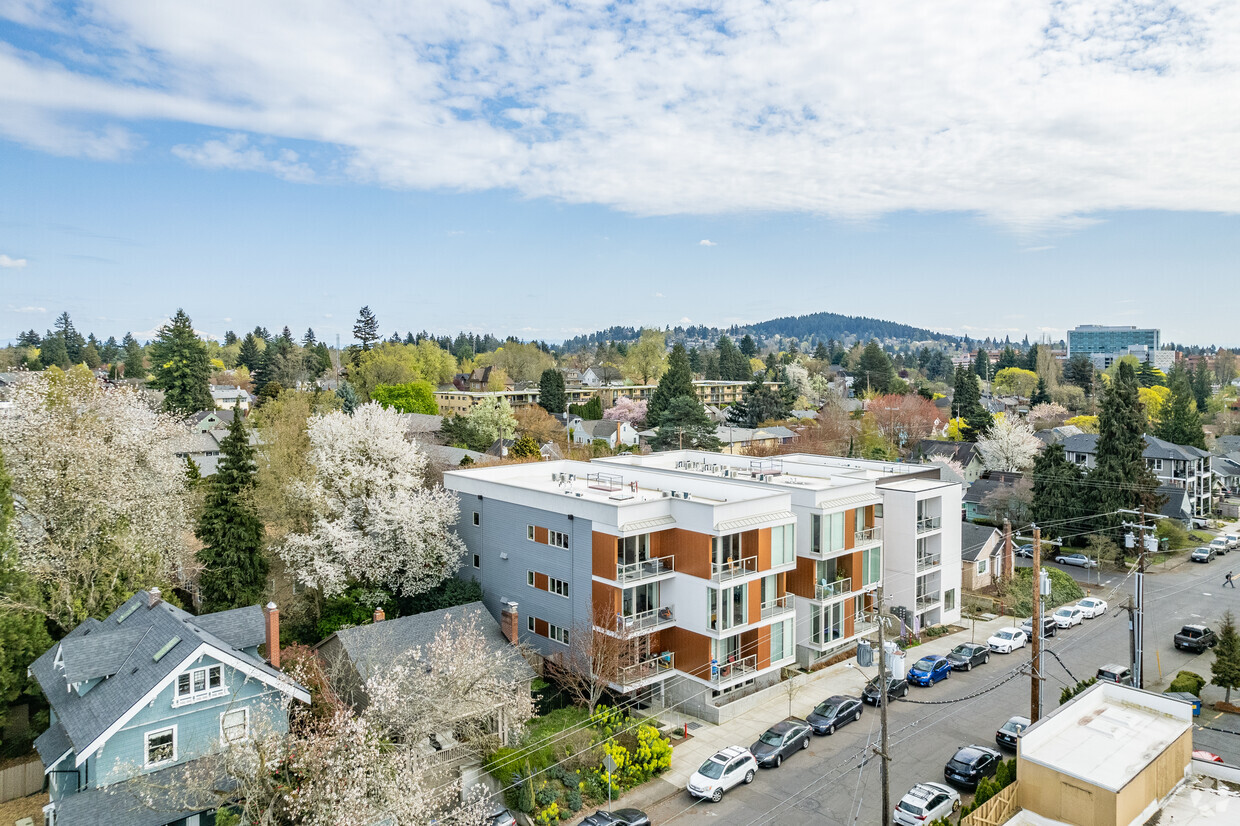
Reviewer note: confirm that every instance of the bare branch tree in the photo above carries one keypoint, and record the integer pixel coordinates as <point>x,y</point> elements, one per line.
<point>599,656</point>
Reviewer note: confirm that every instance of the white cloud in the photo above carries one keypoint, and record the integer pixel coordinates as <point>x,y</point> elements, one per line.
<point>27,309</point>
<point>1030,113</point>
<point>705,242</point>
<point>1042,248</point>
<point>12,263</point>
<point>658,295</point>
<point>235,152</point>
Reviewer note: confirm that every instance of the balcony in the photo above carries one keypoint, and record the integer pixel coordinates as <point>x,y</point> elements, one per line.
<point>868,536</point>
<point>863,626</point>
<point>645,569</point>
<point>659,665</point>
<point>646,621</point>
<point>927,561</point>
<point>734,670</point>
<point>927,601</point>
<point>832,590</point>
<point>930,523</point>
<point>778,606</point>
<point>733,568</point>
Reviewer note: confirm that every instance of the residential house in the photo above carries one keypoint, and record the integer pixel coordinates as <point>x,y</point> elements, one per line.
<point>423,428</point>
<point>447,456</point>
<point>203,447</point>
<point>1227,472</point>
<point>614,433</point>
<point>550,451</point>
<point>226,397</point>
<point>1056,435</point>
<point>138,697</point>
<point>981,551</point>
<point>743,439</point>
<point>1224,445</point>
<point>1176,504</point>
<point>206,420</point>
<point>1181,466</point>
<point>602,375</point>
<point>975,503</point>
<point>965,454</point>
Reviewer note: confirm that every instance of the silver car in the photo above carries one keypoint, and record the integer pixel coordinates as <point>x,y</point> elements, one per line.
<point>926,803</point>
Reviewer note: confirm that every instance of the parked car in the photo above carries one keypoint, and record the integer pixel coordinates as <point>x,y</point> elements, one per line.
<point>1202,554</point>
<point>1092,607</point>
<point>723,770</point>
<point>1049,628</point>
<point>1068,616</point>
<point>966,655</point>
<point>970,764</point>
<point>1195,638</point>
<point>834,712</point>
<point>1010,732</point>
<point>781,740</point>
<point>926,803</point>
<point>501,817</point>
<point>929,670</point>
<point>1220,545</point>
<point>1115,673</point>
<point>617,817</point>
<point>1233,541</point>
<point>1079,560</point>
<point>895,688</point>
<point>1007,640</point>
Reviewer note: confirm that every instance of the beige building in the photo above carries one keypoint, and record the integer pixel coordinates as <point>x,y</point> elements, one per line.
<point>451,400</point>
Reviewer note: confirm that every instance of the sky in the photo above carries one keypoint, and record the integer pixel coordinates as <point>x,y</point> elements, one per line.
<point>545,169</point>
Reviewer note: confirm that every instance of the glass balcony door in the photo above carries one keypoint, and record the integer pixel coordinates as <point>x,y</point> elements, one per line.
<point>634,549</point>
<point>639,599</point>
<point>728,607</point>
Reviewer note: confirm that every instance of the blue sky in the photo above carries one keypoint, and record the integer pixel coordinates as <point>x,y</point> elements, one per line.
<point>542,171</point>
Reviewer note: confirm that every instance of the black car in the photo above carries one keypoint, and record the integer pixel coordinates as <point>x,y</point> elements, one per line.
<point>895,688</point>
<point>781,740</point>
<point>963,657</point>
<point>970,764</point>
<point>619,817</point>
<point>834,712</point>
<point>1010,732</point>
<point>1048,627</point>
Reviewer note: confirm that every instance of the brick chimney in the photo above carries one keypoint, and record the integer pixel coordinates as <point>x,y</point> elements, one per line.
<point>154,597</point>
<point>379,615</point>
<point>1009,559</point>
<point>509,621</point>
<point>272,615</point>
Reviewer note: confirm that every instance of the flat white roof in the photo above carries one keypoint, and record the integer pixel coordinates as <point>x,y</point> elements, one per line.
<point>1107,735</point>
<point>915,485</point>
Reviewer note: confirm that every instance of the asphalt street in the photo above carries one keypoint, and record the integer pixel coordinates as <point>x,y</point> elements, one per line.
<point>837,779</point>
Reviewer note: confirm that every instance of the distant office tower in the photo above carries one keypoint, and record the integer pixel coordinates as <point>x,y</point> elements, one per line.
<point>1094,338</point>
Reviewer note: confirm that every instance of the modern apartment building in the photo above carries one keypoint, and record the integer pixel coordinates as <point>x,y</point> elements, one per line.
<point>453,400</point>
<point>1088,339</point>
<point>1179,466</point>
<point>722,569</point>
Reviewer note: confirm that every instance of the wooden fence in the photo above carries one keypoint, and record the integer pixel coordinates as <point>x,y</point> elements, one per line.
<point>21,780</point>
<point>999,809</point>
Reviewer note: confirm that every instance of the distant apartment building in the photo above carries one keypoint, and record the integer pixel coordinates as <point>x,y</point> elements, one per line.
<point>720,569</point>
<point>1175,466</point>
<point>1096,338</point>
<point>452,399</point>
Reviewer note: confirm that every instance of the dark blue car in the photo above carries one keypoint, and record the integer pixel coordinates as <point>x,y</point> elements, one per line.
<point>929,670</point>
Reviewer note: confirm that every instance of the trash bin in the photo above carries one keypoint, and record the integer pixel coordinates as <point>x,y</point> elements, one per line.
<point>1188,698</point>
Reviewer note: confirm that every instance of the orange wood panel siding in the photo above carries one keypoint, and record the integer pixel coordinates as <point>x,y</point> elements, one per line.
<point>755,600</point>
<point>540,535</point>
<point>849,617</point>
<point>606,600</point>
<point>764,647</point>
<point>692,651</point>
<point>854,569</point>
<point>850,527</point>
<point>604,554</point>
<point>749,643</point>
<point>691,550</point>
<point>540,581</point>
<point>801,581</point>
<point>763,541</point>
<point>540,627</point>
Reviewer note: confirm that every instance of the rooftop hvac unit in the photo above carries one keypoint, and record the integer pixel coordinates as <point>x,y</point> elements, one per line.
<point>684,495</point>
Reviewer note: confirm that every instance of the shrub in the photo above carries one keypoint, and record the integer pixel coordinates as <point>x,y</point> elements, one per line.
<point>549,815</point>
<point>572,799</point>
<point>1068,693</point>
<point>1187,681</point>
<point>546,794</point>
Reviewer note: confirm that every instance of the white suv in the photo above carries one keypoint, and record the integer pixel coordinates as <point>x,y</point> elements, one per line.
<point>926,803</point>
<point>727,768</point>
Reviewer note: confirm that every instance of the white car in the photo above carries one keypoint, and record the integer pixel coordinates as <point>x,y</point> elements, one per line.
<point>1068,616</point>
<point>926,803</point>
<point>723,770</point>
<point>1233,541</point>
<point>1092,607</point>
<point>1080,560</point>
<point>1007,640</point>
<point>1219,545</point>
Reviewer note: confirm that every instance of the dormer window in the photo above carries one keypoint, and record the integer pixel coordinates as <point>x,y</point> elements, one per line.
<point>200,684</point>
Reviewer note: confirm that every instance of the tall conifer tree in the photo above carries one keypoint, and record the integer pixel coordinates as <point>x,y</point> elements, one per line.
<point>1120,478</point>
<point>675,382</point>
<point>1181,423</point>
<point>182,367</point>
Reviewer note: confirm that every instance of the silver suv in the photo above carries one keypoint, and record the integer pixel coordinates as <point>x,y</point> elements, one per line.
<point>726,768</point>
<point>926,803</point>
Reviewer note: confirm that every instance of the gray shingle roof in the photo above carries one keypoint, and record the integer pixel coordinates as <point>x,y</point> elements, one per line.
<point>448,455</point>
<point>369,646</point>
<point>99,655</point>
<point>51,744</point>
<point>1175,502</point>
<point>978,490</point>
<point>962,452</point>
<point>598,428</point>
<point>1226,444</point>
<point>1155,448</point>
<point>125,804</point>
<point>86,717</point>
<point>974,538</point>
<point>422,423</point>
<point>241,627</point>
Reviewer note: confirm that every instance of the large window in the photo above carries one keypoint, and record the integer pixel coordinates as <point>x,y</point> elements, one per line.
<point>161,746</point>
<point>200,683</point>
<point>871,566</point>
<point>639,599</point>
<point>727,607</point>
<point>634,549</point>
<point>783,640</point>
<point>727,547</point>
<point>949,600</point>
<point>835,531</point>
<point>235,725</point>
<point>783,545</point>
<point>815,533</point>
<point>826,624</point>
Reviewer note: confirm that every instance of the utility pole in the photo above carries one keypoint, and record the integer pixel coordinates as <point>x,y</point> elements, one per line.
<point>1035,676</point>
<point>1132,633</point>
<point>883,697</point>
<point>1140,614</point>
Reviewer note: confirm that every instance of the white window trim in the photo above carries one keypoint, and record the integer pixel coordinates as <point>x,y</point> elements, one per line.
<point>146,748</point>
<point>529,578</point>
<point>529,622</point>
<point>244,737</point>
<point>555,586</point>
<point>529,532</point>
<point>477,519</point>
<point>197,697</point>
<point>477,560</point>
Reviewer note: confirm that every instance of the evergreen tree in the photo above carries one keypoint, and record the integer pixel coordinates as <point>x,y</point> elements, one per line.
<point>1080,371</point>
<point>309,340</point>
<point>230,338</point>
<point>1007,359</point>
<point>182,367</point>
<point>234,566</point>
<point>525,448</point>
<point>821,353</point>
<point>695,360</point>
<point>874,370</point>
<point>981,365</point>
<point>1056,486</point>
<point>1225,670</point>
<point>53,353</point>
<point>683,424</point>
<point>1181,423</point>
<point>134,358</point>
<point>591,411</point>
<point>1120,478</point>
<point>30,338</point>
<point>366,329</point>
<point>551,395</point>
<point>733,365</point>
<point>1203,387</point>
<point>250,356</point>
<point>347,396</point>
<point>72,338</point>
<point>287,335</point>
<point>967,404</point>
<point>758,404</point>
<point>1031,359</point>
<point>261,332</point>
<point>111,351</point>
<point>676,382</point>
<point>90,356</point>
<point>748,347</point>
<point>1150,376</point>
<point>1040,395</point>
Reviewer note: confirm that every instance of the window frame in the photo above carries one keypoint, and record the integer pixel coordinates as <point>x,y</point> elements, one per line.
<point>529,532</point>
<point>559,587</point>
<point>224,739</point>
<point>477,561</point>
<point>208,691</point>
<point>529,623</point>
<point>555,632</point>
<point>477,519</point>
<point>146,747</point>
<point>529,578</point>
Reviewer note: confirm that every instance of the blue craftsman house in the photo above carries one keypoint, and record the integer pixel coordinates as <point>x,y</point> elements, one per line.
<point>138,697</point>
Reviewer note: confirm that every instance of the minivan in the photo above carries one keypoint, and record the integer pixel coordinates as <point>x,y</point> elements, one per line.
<point>1115,673</point>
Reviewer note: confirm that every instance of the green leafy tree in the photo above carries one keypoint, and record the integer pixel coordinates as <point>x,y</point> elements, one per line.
<point>525,448</point>
<point>181,367</point>
<point>590,411</point>
<point>1056,486</point>
<point>366,328</point>
<point>348,397</point>
<point>1120,478</point>
<point>91,357</point>
<point>676,382</point>
<point>411,397</point>
<point>647,358</point>
<point>1040,395</point>
<point>234,566</point>
<point>874,370</point>
<point>551,391</point>
<point>1225,670</point>
<point>1181,423</point>
<point>1071,691</point>
<point>684,424</point>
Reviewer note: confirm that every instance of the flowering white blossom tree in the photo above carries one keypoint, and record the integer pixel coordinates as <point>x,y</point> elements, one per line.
<point>798,378</point>
<point>493,417</point>
<point>626,410</point>
<point>1009,444</point>
<point>375,520</point>
<point>1047,414</point>
<point>101,501</point>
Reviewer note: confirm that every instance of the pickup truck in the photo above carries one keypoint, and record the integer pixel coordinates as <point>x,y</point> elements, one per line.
<point>1195,638</point>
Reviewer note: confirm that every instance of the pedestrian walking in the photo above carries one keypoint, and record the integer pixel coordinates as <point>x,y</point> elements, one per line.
<point>1229,581</point>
